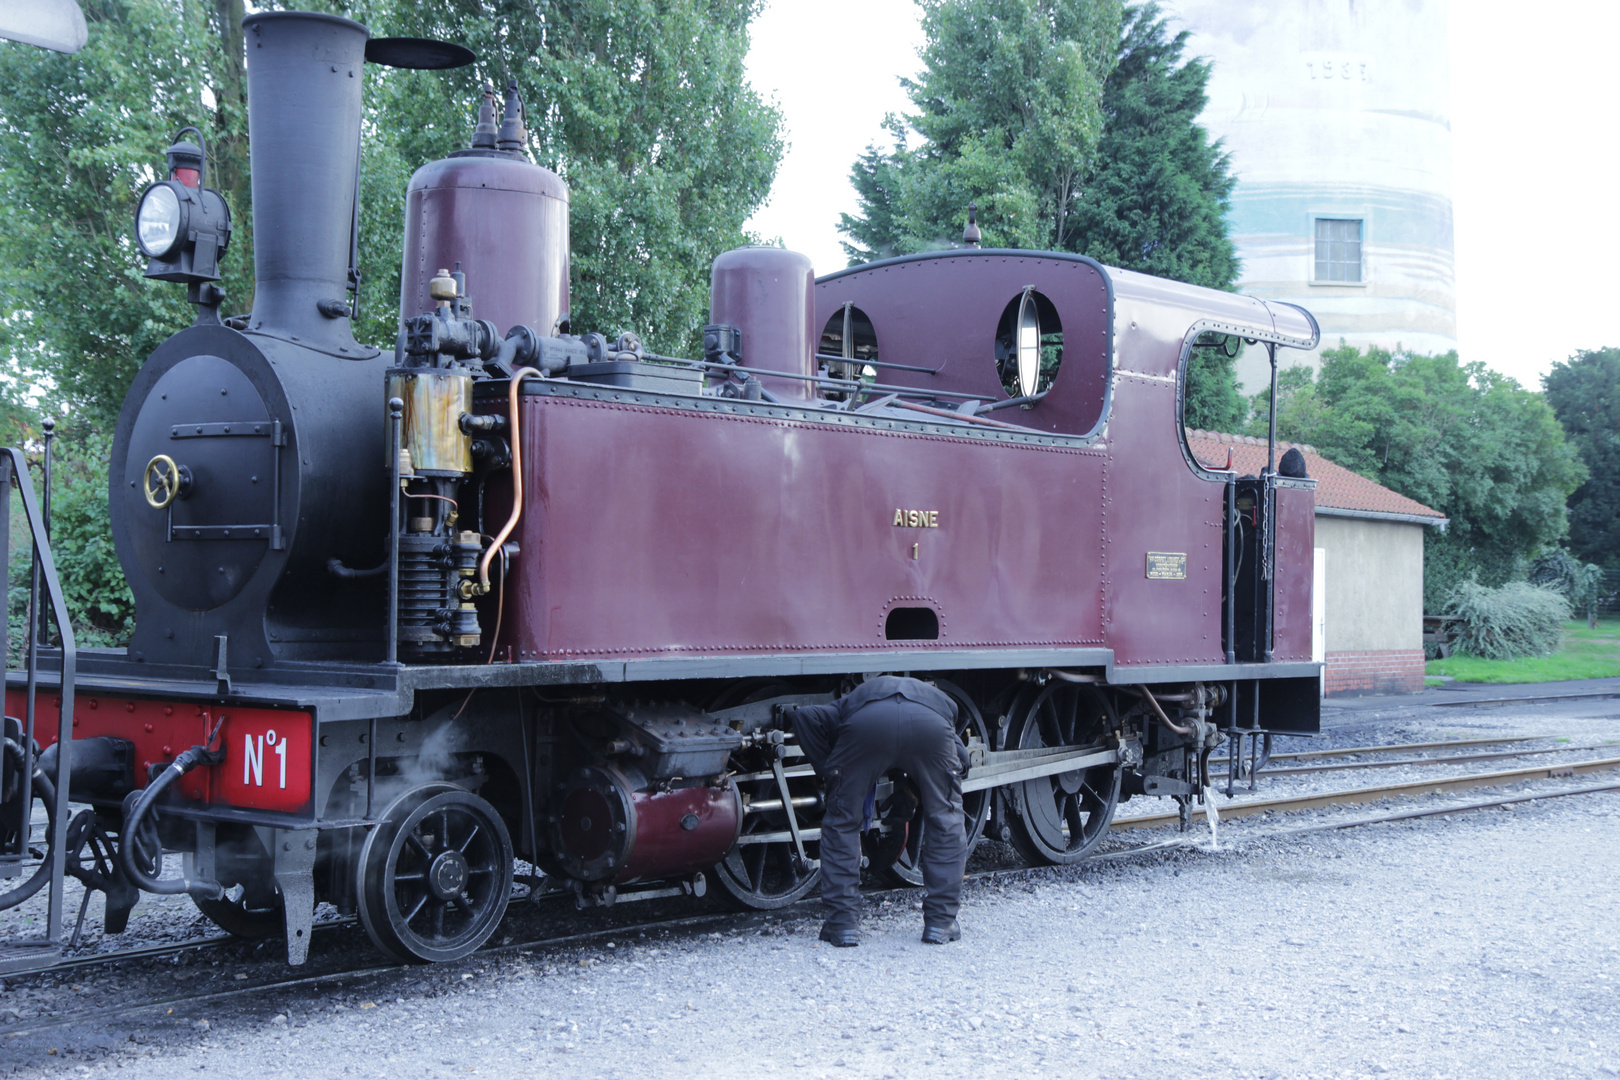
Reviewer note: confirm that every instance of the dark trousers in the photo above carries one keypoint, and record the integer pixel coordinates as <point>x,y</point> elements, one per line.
<point>893,734</point>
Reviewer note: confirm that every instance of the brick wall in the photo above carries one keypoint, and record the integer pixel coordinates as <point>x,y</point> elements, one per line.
<point>1378,671</point>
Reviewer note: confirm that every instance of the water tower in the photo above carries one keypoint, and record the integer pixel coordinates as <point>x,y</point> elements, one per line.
<point>1337,117</point>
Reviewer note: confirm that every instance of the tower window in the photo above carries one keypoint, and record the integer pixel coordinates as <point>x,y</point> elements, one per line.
<point>1338,250</point>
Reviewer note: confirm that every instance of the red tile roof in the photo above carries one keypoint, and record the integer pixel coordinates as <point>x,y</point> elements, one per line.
<point>1337,488</point>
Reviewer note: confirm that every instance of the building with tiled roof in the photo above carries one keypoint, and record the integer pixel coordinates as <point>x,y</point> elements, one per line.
<point>1369,566</point>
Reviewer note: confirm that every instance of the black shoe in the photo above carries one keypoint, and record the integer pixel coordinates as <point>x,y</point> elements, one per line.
<point>840,937</point>
<point>942,933</point>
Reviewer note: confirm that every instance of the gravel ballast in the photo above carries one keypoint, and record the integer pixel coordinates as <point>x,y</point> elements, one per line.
<point>1478,945</point>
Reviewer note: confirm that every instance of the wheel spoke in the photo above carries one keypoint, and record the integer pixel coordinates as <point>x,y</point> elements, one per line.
<point>756,873</point>
<point>416,842</point>
<point>420,903</point>
<point>1077,825</point>
<point>473,832</point>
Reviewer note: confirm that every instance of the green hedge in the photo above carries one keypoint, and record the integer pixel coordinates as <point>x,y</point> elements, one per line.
<point>1516,620</point>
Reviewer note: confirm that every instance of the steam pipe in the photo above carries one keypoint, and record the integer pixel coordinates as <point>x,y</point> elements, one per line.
<point>1163,719</point>
<point>1029,399</point>
<point>396,437</point>
<point>47,793</point>
<point>202,888</point>
<point>973,419</point>
<point>516,428</point>
<point>335,567</point>
<point>877,363</point>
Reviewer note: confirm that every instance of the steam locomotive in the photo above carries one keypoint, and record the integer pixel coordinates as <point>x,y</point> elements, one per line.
<point>514,591</point>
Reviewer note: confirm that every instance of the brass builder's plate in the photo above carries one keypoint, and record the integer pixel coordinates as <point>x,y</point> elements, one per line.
<point>1167,565</point>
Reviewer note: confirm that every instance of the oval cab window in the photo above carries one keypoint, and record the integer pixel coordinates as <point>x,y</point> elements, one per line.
<point>1029,345</point>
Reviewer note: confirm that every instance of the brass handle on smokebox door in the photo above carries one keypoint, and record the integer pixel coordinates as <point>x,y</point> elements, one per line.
<point>165,482</point>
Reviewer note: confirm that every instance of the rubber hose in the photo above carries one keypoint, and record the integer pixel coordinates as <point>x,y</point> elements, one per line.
<point>203,889</point>
<point>47,792</point>
<point>335,567</point>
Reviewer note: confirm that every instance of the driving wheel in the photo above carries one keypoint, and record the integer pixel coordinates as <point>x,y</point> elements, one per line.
<point>1060,818</point>
<point>893,853</point>
<point>762,871</point>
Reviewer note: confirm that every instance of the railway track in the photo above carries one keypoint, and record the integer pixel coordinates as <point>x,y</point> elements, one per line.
<point>1387,748</point>
<point>1384,791</point>
<point>1179,842</point>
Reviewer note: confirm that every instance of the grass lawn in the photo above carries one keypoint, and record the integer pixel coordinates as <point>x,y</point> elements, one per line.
<point>1583,654</point>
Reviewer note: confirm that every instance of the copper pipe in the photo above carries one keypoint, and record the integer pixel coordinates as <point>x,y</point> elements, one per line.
<point>1163,719</point>
<point>517,478</point>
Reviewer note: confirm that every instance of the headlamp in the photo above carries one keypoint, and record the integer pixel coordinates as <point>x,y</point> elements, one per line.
<point>182,226</point>
<point>160,219</point>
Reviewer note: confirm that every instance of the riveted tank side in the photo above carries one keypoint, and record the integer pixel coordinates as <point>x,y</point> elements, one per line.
<point>498,218</point>
<point>768,294</point>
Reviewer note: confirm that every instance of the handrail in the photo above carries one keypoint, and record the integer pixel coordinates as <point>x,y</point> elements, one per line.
<point>56,923</point>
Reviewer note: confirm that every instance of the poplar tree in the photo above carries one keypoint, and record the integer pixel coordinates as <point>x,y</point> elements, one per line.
<point>1009,112</point>
<point>1585,393</point>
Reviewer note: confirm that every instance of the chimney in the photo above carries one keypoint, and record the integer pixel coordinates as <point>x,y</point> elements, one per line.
<point>304,74</point>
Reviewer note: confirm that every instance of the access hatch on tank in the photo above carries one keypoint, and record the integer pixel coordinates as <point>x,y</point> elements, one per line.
<point>202,477</point>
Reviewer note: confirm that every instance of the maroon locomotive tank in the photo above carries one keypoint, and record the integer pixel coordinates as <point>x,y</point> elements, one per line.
<point>501,218</point>
<point>713,527</point>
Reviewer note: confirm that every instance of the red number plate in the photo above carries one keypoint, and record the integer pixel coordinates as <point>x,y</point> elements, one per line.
<point>267,751</point>
<point>267,759</point>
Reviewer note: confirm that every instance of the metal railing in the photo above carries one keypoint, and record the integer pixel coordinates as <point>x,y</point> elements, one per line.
<point>14,472</point>
<point>1609,593</point>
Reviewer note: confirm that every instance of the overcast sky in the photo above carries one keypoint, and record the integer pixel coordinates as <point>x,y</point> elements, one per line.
<point>1535,122</point>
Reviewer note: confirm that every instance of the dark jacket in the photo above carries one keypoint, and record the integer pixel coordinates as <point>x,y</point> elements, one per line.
<point>818,726</point>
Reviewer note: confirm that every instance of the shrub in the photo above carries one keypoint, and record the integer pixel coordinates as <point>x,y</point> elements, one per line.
<point>93,584</point>
<point>1518,619</point>
<point>1580,584</point>
<point>81,539</point>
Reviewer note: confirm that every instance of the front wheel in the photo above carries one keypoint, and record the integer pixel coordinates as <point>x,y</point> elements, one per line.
<point>435,875</point>
<point>763,871</point>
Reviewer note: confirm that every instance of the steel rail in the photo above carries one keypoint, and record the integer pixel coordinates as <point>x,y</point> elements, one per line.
<point>1391,748</point>
<point>1548,699</point>
<point>1455,759</point>
<point>1232,844</point>
<point>1371,794</point>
